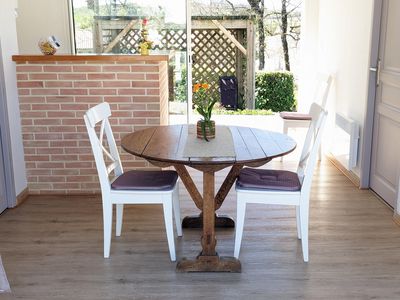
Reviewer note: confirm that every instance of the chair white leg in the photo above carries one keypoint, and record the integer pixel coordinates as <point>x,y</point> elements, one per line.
<point>241,212</point>
<point>167,206</point>
<point>304,230</point>
<point>298,222</point>
<point>107,226</point>
<point>120,216</point>
<point>177,210</point>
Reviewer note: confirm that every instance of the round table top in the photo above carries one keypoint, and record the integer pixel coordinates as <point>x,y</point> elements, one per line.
<point>165,144</point>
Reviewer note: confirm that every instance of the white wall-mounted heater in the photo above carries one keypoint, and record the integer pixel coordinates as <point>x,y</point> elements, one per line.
<point>344,144</point>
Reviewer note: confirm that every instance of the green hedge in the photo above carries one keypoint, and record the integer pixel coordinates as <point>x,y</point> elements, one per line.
<point>275,91</point>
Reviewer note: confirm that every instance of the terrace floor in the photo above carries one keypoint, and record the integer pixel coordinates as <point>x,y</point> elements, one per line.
<point>51,248</point>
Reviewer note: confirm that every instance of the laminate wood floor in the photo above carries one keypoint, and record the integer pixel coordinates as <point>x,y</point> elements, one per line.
<point>51,248</point>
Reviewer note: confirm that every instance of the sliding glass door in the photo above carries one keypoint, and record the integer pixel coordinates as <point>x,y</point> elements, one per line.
<point>114,26</point>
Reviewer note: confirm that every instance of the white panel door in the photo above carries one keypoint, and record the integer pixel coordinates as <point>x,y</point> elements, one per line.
<point>385,163</point>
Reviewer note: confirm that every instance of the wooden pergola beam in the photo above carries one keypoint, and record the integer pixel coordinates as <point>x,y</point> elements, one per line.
<point>230,36</point>
<point>120,35</point>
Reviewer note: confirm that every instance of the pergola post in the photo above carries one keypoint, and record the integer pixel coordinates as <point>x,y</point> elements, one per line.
<point>250,70</point>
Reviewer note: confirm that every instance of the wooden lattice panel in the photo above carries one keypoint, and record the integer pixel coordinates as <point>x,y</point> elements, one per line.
<point>214,55</point>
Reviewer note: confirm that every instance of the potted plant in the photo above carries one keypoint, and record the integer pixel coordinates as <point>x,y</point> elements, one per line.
<point>204,105</point>
<point>145,44</point>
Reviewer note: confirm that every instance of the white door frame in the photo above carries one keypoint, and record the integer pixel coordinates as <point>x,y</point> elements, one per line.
<point>366,147</point>
<point>6,141</point>
<point>189,59</point>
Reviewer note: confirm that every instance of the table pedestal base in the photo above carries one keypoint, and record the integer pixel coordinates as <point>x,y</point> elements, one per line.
<point>212,263</point>
<point>221,221</point>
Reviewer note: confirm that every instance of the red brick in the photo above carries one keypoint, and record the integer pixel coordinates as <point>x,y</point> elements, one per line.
<point>88,99</point>
<point>44,107</point>
<point>63,144</point>
<point>73,92</point>
<point>117,68</point>
<point>72,76</point>
<point>74,107</point>
<point>65,172</point>
<point>101,76</point>
<point>32,99</point>
<point>62,129</point>
<point>22,76</point>
<point>146,114</point>
<point>29,69</point>
<point>145,84</point>
<point>37,158</point>
<point>125,84</point>
<point>117,99</point>
<point>34,129</point>
<point>152,77</point>
<point>48,136</point>
<point>30,84</point>
<point>61,114</point>
<point>79,164</point>
<point>102,91</point>
<point>146,99</point>
<point>51,179</point>
<point>44,92</point>
<point>133,121</point>
<point>64,157</point>
<point>131,76</point>
<point>78,84</point>
<point>24,92</point>
<point>58,83</point>
<point>72,121</point>
<point>47,122</point>
<point>57,69</point>
<point>136,92</point>
<point>43,76</point>
<point>50,150</point>
<point>59,99</point>
<point>144,69</point>
<point>33,114</point>
<point>153,92</point>
<point>50,165</point>
<point>86,69</point>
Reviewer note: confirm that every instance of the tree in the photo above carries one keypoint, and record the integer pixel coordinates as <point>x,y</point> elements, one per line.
<point>284,27</point>
<point>258,7</point>
<point>286,23</point>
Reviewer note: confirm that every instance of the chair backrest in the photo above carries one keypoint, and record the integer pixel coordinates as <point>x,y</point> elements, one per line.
<point>312,142</point>
<point>107,160</point>
<point>321,92</point>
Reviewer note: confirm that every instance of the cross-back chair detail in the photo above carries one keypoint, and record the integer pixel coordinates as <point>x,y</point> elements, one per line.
<point>283,187</point>
<point>132,187</point>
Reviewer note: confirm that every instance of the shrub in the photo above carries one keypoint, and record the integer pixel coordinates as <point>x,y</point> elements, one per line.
<point>275,91</point>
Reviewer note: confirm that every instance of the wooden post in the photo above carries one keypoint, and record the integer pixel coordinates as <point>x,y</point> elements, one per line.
<point>250,70</point>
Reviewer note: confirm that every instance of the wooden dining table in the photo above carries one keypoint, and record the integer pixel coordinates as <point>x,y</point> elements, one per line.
<point>164,146</point>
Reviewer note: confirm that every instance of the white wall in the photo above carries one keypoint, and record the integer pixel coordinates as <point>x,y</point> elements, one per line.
<point>8,36</point>
<point>39,19</point>
<point>343,48</point>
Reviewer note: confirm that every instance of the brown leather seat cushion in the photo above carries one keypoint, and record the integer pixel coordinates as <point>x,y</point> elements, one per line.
<point>289,115</point>
<point>146,180</point>
<point>261,179</point>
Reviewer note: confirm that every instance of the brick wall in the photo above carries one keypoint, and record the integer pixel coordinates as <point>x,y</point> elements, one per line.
<point>53,97</point>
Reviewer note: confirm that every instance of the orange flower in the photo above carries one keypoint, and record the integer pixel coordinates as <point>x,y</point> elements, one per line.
<point>196,87</point>
<point>205,86</point>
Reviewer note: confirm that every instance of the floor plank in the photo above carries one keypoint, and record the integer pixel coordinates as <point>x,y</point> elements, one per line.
<point>51,248</point>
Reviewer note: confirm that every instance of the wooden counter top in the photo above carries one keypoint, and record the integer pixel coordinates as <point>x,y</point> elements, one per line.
<point>93,57</point>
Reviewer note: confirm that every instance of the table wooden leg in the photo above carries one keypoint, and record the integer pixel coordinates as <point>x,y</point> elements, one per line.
<point>221,221</point>
<point>208,259</point>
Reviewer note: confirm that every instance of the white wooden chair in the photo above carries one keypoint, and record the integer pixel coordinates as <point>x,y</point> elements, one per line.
<point>302,120</point>
<point>132,187</point>
<point>283,187</point>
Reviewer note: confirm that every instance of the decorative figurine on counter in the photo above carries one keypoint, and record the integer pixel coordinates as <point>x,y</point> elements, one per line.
<point>145,44</point>
<point>49,45</point>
